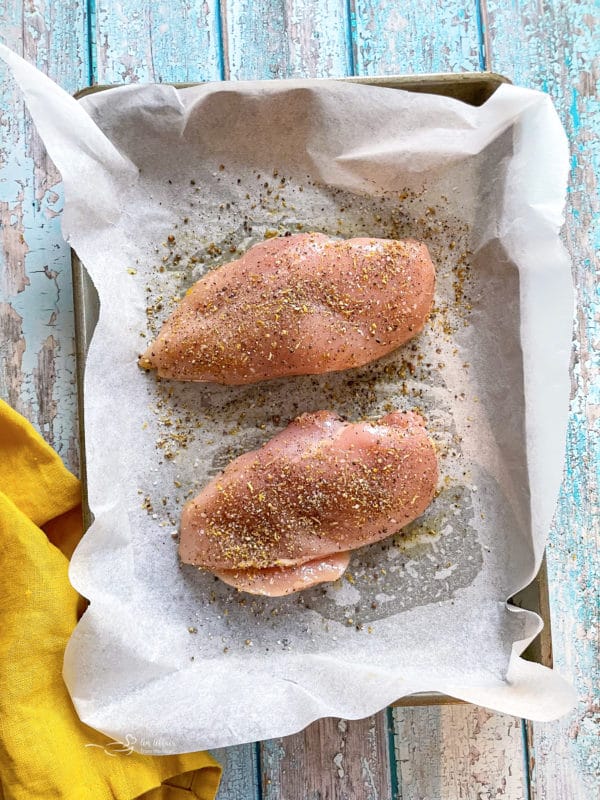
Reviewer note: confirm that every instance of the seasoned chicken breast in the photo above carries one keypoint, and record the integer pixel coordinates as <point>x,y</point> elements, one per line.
<point>284,517</point>
<point>296,305</point>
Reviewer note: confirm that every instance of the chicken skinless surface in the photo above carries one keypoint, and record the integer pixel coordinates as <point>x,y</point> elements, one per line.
<point>296,305</point>
<point>284,517</point>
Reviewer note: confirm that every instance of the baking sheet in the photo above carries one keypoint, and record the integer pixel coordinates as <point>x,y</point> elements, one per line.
<point>184,179</point>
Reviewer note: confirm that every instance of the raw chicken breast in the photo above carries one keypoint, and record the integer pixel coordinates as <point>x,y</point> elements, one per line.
<point>296,305</point>
<point>284,517</point>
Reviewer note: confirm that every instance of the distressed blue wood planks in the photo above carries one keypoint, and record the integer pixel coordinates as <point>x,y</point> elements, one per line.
<point>415,37</point>
<point>241,772</point>
<point>331,758</point>
<point>287,39</point>
<point>448,752</point>
<point>37,361</point>
<point>163,42</point>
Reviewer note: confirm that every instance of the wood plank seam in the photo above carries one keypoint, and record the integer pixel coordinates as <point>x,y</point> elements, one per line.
<point>91,43</point>
<point>223,44</point>
<point>485,47</point>
<point>396,792</point>
<point>350,26</point>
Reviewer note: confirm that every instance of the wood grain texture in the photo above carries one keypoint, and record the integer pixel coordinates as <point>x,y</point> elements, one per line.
<point>241,772</point>
<point>462,752</point>
<point>553,46</point>
<point>286,39</point>
<point>332,759</point>
<point>37,363</point>
<point>416,37</point>
<point>169,41</point>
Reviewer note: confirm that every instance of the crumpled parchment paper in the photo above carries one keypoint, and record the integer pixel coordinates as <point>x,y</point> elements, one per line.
<point>163,184</point>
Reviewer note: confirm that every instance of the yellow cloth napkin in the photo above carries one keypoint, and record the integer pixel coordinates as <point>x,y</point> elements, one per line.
<point>45,750</point>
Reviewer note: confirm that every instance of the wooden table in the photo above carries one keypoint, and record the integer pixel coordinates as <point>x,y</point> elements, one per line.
<point>431,753</point>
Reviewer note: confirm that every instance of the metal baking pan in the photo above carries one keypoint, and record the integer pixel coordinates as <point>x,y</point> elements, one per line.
<point>473,88</point>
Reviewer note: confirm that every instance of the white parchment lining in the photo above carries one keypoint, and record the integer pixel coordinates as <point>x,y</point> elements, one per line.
<point>161,185</point>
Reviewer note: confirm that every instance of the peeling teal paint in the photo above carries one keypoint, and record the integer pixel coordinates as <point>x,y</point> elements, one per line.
<point>91,43</point>
<point>483,56</point>
<point>279,39</point>
<point>417,37</point>
<point>157,41</point>
<point>46,304</point>
<point>575,119</point>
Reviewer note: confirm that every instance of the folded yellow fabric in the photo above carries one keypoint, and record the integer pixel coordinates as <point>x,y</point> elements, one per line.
<point>45,750</point>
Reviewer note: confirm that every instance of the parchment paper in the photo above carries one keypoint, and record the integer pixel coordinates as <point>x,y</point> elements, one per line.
<point>162,185</point>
